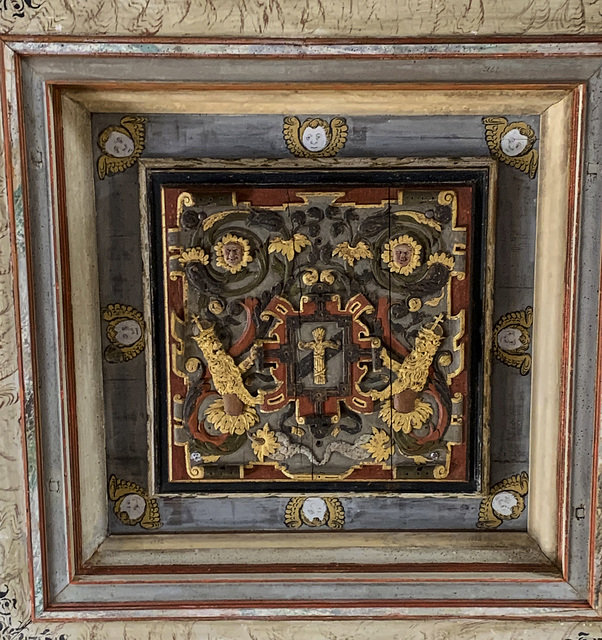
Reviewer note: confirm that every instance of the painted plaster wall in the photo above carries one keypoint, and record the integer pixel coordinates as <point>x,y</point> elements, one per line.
<point>302,18</point>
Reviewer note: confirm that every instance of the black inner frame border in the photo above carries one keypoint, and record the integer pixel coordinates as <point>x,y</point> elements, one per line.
<point>477,178</point>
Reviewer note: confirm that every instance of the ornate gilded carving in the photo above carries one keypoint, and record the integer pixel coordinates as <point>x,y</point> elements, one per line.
<point>194,255</point>
<point>352,254</point>
<point>264,443</point>
<point>412,374</point>
<point>316,137</point>
<point>504,502</point>
<point>121,145</point>
<point>226,375</point>
<point>380,445</point>
<point>133,505</point>
<point>236,423</point>
<point>288,248</point>
<point>441,258</point>
<point>313,276</point>
<point>125,332</point>
<point>512,143</point>
<point>512,339</point>
<point>314,512</point>
<point>406,421</point>
<point>337,351</point>
<point>318,346</point>
<point>402,255</point>
<point>232,253</point>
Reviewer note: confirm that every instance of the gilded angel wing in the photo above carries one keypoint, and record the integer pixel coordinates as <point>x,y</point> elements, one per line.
<point>292,513</point>
<point>338,131</point>
<point>527,163</point>
<point>290,130</point>
<point>493,135</point>
<point>119,488</point>
<point>151,518</point>
<point>336,513</point>
<point>135,125</point>
<point>487,518</point>
<point>107,165</point>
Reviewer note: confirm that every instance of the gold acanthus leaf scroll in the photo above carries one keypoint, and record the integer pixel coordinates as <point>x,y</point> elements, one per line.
<point>225,373</point>
<point>512,144</point>
<point>121,146</point>
<point>297,136</point>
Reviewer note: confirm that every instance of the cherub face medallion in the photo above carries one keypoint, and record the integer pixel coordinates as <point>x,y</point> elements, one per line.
<point>119,145</point>
<point>512,339</point>
<point>315,137</point>
<point>232,253</point>
<point>127,332</point>
<point>513,142</point>
<point>402,255</point>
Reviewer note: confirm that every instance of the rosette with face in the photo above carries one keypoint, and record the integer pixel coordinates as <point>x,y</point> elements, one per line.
<point>402,255</point>
<point>232,253</point>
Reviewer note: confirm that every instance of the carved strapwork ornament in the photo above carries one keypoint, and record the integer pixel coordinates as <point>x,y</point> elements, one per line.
<point>504,502</point>
<point>512,144</point>
<point>133,505</point>
<point>314,512</point>
<point>121,146</point>
<point>315,335</point>
<point>512,339</point>
<point>125,332</point>
<point>315,138</point>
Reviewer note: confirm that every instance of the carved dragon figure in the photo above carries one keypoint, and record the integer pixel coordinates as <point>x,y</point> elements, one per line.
<point>225,373</point>
<point>413,372</point>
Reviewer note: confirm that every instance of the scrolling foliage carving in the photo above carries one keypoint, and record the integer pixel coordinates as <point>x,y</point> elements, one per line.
<point>315,335</point>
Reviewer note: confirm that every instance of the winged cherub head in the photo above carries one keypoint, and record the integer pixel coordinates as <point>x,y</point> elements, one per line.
<point>315,134</point>
<point>116,142</point>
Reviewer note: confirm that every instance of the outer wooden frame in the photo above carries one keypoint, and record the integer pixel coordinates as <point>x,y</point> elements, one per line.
<point>554,245</point>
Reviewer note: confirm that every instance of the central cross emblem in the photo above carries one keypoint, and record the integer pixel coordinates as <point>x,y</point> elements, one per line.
<point>319,345</point>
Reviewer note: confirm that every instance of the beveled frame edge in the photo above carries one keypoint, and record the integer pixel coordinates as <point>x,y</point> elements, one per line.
<point>159,163</point>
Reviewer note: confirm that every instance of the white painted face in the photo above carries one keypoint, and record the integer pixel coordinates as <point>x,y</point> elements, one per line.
<point>314,138</point>
<point>508,339</point>
<point>127,332</point>
<point>119,145</point>
<point>314,509</point>
<point>504,503</point>
<point>514,143</point>
<point>134,505</point>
